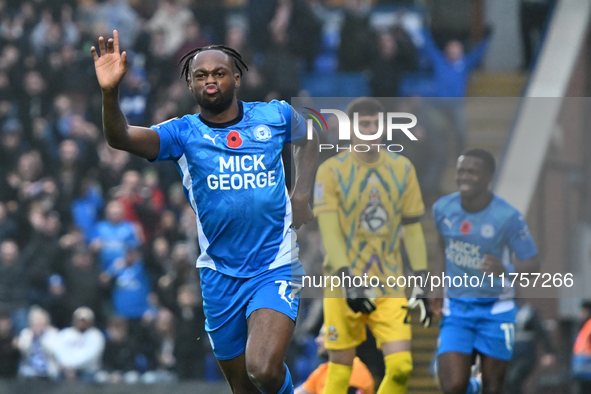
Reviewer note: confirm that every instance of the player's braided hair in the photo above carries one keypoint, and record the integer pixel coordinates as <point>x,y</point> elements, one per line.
<point>227,50</point>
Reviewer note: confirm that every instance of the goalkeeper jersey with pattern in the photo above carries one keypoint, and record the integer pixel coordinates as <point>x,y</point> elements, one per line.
<point>233,177</point>
<point>370,199</point>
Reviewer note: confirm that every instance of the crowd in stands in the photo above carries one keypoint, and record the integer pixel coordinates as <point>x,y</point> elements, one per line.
<point>98,247</point>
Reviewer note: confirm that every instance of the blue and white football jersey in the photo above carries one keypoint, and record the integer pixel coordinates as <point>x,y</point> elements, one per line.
<point>233,176</point>
<point>498,230</point>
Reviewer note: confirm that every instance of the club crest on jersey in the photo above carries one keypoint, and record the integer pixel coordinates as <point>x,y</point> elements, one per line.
<point>262,132</point>
<point>234,139</point>
<point>487,231</point>
<point>465,227</point>
<point>333,334</point>
<point>374,196</point>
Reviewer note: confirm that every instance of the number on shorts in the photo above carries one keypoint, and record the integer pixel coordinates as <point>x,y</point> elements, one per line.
<point>509,329</point>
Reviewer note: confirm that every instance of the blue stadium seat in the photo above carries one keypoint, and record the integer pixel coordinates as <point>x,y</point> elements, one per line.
<point>330,40</point>
<point>307,362</point>
<point>326,63</point>
<point>336,84</point>
<point>212,369</point>
<point>417,84</point>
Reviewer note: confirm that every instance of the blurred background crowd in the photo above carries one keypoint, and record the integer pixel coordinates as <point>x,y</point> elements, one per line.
<point>98,247</point>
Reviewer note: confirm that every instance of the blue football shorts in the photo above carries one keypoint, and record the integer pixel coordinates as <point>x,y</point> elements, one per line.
<point>229,301</point>
<point>488,328</point>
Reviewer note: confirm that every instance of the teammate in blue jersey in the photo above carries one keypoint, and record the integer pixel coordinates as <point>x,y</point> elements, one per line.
<point>479,233</point>
<point>229,157</point>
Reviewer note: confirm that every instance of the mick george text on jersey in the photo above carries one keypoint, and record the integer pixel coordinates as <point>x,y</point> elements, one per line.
<point>232,177</point>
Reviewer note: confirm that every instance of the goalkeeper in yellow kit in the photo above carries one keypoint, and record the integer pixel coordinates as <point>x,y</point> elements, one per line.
<point>364,203</point>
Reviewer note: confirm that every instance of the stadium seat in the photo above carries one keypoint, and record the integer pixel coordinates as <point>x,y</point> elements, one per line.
<point>212,370</point>
<point>326,63</point>
<point>307,362</point>
<point>330,40</point>
<point>336,84</point>
<point>417,84</point>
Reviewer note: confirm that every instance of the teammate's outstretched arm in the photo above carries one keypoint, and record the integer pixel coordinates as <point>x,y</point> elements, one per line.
<point>305,157</point>
<point>110,68</point>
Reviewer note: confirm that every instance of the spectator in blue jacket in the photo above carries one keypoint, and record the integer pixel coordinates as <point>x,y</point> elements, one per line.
<point>86,206</point>
<point>451,69</point>
<point>130,285</point>
<point>452,66</point>
<point>112,235</point>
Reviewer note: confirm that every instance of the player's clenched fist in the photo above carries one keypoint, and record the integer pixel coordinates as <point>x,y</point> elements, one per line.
<point>301,210</point>
<point>435,306</point>
<point>111,66</point>
<point>492,265</point>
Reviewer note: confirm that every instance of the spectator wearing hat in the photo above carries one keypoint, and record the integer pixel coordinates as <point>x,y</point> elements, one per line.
<point>79,349</point>
<point>58,301</point>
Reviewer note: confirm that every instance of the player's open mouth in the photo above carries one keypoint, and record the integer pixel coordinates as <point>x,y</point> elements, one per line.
<point>464,187</point>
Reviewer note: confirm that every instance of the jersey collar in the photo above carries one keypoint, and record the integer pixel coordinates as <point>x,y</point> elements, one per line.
<point>227,124</point>
<point>377,163</point>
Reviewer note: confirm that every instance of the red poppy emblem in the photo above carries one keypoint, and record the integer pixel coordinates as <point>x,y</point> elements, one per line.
<point>465,227</point>
<point>234,140</point>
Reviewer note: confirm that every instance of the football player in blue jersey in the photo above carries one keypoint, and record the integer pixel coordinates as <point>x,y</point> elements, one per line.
<point>229,157</point>
<point>479,232</point>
